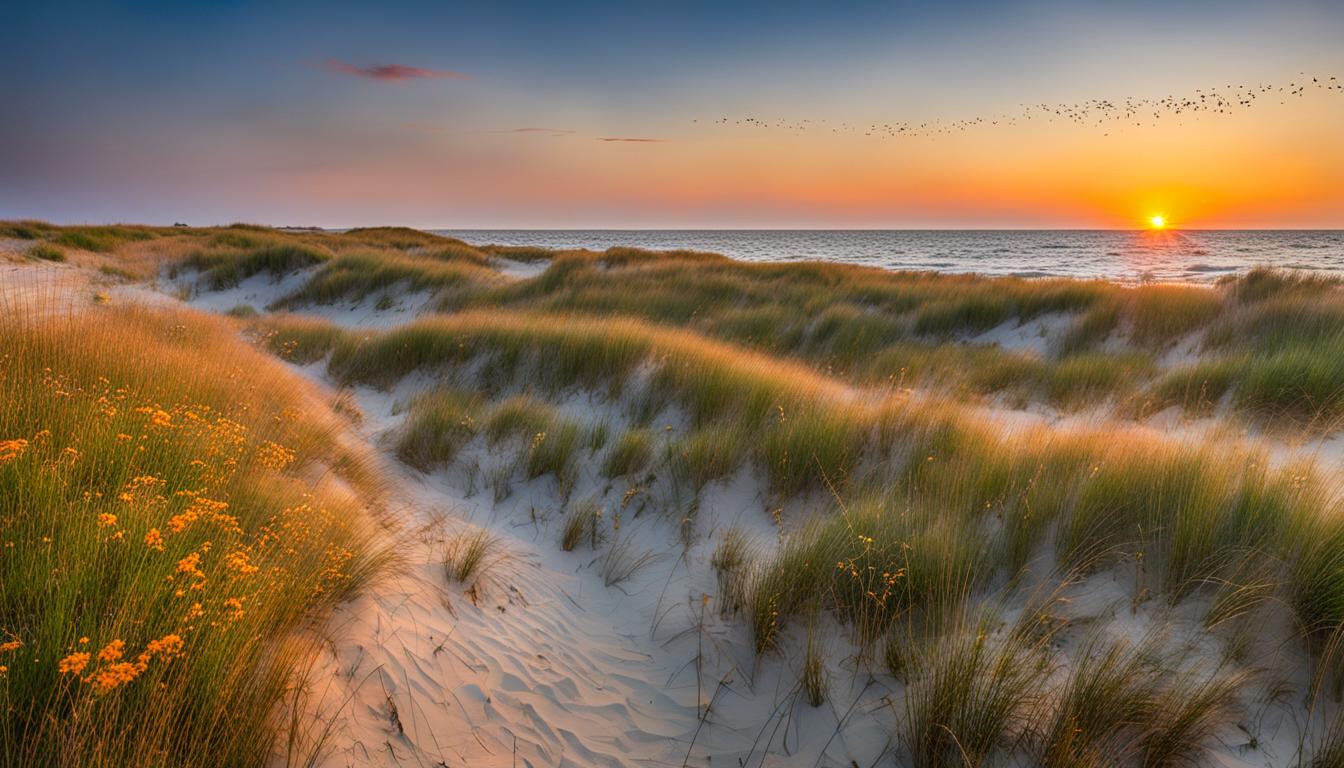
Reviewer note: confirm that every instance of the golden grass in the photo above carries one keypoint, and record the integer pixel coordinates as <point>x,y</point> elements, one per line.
<point>165,548</point>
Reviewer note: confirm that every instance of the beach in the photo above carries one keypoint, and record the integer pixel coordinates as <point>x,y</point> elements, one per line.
<point>673,508</point>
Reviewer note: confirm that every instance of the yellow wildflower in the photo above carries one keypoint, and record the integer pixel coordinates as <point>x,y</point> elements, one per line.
<point>107,519</point>
<point>154,539</point>
<point>275,456</point>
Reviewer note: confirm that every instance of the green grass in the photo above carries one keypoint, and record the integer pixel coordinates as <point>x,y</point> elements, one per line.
<point>554,451</point>
<point>25,230</point>
<point>631,453</point>
<point>584,521</point>
<point>102,239</point>
<point>705,455</point>
<point>521,416</point>
<point>467,556</point>
<point>732,561</point>
<point>47,252</point>
<point>130,439</point>
<point>815,680</point>
<point>353,276</point>
<point>227,267</point>
<point>1103,709</point>
<point>297,339</point>
<point>970,696</point>
<point>437,424</point>
<point>1090,376</point>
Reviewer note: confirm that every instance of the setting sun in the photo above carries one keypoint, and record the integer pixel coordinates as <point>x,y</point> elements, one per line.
<point>1157,222</point>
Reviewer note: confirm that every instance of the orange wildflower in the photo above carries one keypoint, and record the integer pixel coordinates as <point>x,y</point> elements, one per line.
<point>73,664</point>
<point>112,651</point>
<point>240,562</point>
<point>168,645</point>
<point>12,449</point>
<point>190,565</point>
<point>154,539</point>
<point>236,605</point>
<point>107,519</point>
<point>117,674</point>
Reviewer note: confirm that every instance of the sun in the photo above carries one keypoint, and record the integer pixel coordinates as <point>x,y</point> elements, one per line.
<point>1157,222</point>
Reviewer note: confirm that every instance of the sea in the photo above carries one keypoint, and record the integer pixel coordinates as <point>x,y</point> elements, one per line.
<point>1125,256</point>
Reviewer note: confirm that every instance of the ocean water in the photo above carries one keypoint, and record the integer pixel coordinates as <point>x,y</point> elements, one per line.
<point>1168,255</point>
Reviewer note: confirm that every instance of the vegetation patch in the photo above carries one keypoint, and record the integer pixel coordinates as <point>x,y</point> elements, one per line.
<point>166,554</point>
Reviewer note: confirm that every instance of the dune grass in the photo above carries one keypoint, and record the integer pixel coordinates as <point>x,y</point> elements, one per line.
<point>733,558</point>
<point>467,556</point>
<point>46,252</point>
<point>28,229</point>
<point>521,416</point>
<point>583,521</point>
<point>225,266</point>
<point>438,423</point>
<point>815,679</point>
<point>970,696</point>
<point>352,276</point>
<point>631,453</point>
<point>947,479</point>
<point>102,239</point>
<point>164,553</point>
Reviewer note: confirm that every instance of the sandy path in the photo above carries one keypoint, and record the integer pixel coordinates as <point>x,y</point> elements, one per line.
<point>543,664</point>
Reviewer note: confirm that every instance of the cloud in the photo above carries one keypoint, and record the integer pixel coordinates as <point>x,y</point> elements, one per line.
<point>553,131</point>
<point>392,73</point>
<point>632,139</point>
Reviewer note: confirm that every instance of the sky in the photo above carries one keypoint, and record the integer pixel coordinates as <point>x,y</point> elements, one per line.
<point>674,115</point>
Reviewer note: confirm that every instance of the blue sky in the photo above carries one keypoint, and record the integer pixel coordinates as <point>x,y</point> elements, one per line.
<point>251,110</point>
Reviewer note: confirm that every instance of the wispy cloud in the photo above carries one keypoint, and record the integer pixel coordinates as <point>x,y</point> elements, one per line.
<point>632,139</point>
<point>552,131</point>
<point>392,73</point>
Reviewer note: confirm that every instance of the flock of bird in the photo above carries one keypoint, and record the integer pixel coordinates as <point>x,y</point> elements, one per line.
<point>1093,112</point>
